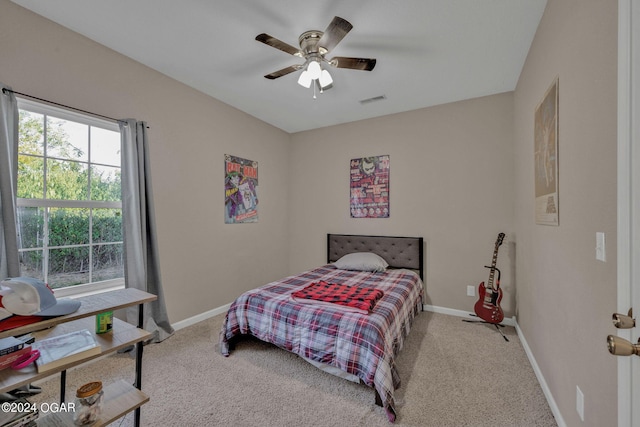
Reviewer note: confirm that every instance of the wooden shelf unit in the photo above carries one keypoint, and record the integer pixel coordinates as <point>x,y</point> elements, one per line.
<point>120,398</point>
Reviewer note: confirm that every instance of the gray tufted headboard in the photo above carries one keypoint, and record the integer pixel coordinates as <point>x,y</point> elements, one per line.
<point>399,252</point>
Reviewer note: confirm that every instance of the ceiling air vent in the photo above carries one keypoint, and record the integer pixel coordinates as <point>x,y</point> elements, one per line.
<point>374,99</point>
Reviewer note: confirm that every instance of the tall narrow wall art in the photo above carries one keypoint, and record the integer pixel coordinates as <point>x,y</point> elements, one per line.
<point>240,190</point>
<point>546,158</point>
<point>370,187</point>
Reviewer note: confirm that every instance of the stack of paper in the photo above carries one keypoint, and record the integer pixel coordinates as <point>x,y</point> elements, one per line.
<point>63,349</point>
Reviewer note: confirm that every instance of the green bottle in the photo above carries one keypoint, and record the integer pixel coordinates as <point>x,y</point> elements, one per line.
<point>104,322</point>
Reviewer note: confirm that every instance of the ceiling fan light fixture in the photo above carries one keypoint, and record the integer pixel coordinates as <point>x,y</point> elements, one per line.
<point>305,79</point>
<point>314,70</point>
<point>325,79</point>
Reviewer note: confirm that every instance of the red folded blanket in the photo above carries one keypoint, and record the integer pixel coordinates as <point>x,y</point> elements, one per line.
<point>351,296</point>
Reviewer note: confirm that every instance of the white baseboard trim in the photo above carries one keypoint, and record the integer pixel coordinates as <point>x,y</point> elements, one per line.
<point>462,313</point>
<point>200,317</point>
<point>426,307</point>
<point>543,383</point>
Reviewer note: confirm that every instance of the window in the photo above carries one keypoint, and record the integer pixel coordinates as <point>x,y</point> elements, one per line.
<point>69,199</point>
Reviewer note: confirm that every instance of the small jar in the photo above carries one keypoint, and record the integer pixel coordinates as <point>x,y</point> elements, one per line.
<point>88,404</point>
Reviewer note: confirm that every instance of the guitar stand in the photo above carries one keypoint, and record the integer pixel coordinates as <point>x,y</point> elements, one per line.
<point>497,325</point>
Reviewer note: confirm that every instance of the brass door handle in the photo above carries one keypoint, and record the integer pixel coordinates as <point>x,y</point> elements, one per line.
<point>621,347</point>
<point>622,321</point>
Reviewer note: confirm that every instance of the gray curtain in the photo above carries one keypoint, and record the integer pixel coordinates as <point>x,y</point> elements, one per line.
<point>9,259</point>
<point>142,270</point>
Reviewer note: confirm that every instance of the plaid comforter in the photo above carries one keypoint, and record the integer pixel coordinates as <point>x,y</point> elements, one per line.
<point>364,345</point>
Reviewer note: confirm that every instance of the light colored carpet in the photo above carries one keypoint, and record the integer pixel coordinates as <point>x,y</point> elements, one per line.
<point>453,374</point>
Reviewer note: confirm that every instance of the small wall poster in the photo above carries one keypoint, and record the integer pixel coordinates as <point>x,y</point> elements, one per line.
<point>370,187</point>
<point>546,157</point>
<point>240,190</point>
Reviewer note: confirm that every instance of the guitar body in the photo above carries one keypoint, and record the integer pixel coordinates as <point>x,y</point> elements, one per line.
<point>488,305</point>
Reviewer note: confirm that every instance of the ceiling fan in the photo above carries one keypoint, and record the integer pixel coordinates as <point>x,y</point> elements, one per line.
<point>314,45</point>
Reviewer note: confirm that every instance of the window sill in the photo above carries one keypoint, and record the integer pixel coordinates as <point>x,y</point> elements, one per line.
<point>89,289</point>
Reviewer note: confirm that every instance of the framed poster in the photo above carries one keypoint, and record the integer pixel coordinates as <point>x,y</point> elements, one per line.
<point>240,190</point>
<point>546,157</point>
<point>370,187</point>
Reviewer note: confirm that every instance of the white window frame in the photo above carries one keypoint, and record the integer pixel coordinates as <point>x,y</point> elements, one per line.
<point>61,113</point>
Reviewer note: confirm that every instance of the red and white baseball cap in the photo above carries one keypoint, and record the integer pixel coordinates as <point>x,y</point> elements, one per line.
<point>32,297</point>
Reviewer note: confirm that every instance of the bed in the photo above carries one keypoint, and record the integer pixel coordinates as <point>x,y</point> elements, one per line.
<point>348,343</point>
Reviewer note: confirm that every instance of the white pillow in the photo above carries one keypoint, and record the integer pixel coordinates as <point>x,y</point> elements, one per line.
<point>361,261</point>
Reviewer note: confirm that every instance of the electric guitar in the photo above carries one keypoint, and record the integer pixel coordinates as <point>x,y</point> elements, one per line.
<point>488,305</point>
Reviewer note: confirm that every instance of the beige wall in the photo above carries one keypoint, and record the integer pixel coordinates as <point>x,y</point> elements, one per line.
<point>204,263</point>
<point>566,297</point>
<point>460,173</point>
<point>451,182</point>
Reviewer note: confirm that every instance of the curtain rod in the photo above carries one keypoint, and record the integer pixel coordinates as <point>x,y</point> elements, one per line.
<point>4,90</point>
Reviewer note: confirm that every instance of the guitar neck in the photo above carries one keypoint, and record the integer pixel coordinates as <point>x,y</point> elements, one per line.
<point>493,268</point>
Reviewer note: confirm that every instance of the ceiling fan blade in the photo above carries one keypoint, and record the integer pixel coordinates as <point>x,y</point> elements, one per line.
<point>337,29</point>
<point>278,44</point>
<point>365,64</point>
<point>283,72</point>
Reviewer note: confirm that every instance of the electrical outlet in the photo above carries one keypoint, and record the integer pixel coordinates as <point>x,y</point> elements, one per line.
<point>471,291</point>
<point>580,403</point>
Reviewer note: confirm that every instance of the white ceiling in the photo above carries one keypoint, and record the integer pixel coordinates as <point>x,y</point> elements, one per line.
<point>428,52</point>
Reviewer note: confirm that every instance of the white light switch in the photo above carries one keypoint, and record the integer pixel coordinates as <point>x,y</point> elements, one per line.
<point>601,254</point>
